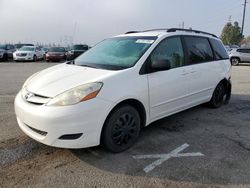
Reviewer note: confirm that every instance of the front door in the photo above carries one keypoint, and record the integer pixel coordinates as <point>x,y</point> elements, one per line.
<point>168,90</point>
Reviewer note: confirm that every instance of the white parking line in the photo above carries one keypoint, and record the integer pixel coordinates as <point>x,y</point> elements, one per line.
<point>165,157</point>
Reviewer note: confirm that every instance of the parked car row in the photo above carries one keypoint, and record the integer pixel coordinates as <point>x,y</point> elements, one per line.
<point>30,52</point>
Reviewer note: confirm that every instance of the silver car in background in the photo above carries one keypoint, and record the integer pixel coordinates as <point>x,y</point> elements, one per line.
<point>240,55</point>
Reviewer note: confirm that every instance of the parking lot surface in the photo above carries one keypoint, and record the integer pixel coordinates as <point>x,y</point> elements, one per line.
<point>200,147</point>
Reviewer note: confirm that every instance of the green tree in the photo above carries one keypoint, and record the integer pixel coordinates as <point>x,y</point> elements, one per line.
<point>231,34</point>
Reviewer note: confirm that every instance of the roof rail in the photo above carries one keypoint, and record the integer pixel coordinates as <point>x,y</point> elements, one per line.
<point>190,30</point>
<point>132,32</point>
<point>146,31</point>
<point>160,29</point>
<point>174,30</point>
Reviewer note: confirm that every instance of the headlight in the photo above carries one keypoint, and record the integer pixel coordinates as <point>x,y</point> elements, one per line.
<point>27,81</point>
<point>78,94</point>
<point>30,54</point>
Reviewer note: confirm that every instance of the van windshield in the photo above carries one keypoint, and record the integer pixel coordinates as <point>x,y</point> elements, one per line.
<point>116,53</point>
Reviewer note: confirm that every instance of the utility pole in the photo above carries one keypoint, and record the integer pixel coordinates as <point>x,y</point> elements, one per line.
<point>244,15</point>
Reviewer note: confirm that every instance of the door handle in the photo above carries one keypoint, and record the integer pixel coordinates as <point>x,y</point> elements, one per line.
<point>184,72</point>
<point>193,71</point>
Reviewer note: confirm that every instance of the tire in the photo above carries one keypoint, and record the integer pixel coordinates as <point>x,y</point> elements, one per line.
<point>5,57</point>
<point>34,58</point>
<point>235,61</point>
<point>218,97</point>
<point>121,129</point>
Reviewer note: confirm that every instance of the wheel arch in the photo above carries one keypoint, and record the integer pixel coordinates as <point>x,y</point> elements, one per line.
<point>134,103</point>
<point>224,81</point>
<point>235,57</point>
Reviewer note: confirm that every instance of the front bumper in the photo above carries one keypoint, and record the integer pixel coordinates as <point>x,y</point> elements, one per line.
<point>55,58</point>
<point>22,58</point>
<point>87,118</point>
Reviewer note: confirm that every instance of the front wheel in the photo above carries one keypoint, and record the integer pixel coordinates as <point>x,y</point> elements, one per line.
<point>121,129</point>
<point>235,61</point>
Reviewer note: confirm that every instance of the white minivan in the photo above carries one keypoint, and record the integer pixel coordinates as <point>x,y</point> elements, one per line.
<point>122,84</point>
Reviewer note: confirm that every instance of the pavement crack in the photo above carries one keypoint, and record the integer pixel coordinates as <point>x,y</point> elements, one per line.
<point>239,143</point>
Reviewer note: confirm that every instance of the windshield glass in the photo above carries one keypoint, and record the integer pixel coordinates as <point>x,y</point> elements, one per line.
<point>26,48</point>
<point>116,53</point>
<point>57,49</point>
<point>2,46</point>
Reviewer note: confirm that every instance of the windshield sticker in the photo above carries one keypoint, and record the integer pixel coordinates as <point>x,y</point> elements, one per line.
<point>144,41</point>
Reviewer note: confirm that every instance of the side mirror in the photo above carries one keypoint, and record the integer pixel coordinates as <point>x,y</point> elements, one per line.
<point>160,65</point>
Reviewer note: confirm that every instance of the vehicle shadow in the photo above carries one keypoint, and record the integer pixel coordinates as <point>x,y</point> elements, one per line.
<point>244,64</point>
<point>222,135</point>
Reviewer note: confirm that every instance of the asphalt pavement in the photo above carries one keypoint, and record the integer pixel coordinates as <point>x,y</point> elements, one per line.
<point>200,147</point>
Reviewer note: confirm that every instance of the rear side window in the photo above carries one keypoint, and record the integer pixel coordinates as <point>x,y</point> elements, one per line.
<point>219,50</point>
<point>244,50</point>
<point>198,50</point>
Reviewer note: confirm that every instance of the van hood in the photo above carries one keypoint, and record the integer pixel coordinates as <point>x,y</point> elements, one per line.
<point>57,79</point>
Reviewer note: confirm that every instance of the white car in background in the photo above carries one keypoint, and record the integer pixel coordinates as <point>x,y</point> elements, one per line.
<point>28,53</point>
<point>240,55</point>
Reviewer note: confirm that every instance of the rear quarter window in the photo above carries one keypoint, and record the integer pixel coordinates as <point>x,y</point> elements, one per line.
<point>243,50</point>
<point>198,49</point>
<point>219,50</point>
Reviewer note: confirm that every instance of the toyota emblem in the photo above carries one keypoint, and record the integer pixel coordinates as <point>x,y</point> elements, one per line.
<point>28,95</point>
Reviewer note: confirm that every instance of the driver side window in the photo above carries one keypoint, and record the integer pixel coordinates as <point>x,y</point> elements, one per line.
<point>171,50</point>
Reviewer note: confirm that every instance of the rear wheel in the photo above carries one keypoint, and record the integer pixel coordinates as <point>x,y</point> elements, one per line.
<point>235,61</point>
<point>121,129</point>
<point>218,97</point>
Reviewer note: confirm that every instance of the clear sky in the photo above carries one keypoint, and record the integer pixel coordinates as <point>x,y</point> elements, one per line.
<point>89,21</point>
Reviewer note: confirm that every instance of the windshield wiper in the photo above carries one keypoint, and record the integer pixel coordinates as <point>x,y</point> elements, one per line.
<point>72,62</point>
<point>88,65</point>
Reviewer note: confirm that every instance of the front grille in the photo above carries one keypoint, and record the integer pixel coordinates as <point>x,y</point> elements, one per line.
<point>21,54</point>
<point>34,98</point>
<point>43,133</point>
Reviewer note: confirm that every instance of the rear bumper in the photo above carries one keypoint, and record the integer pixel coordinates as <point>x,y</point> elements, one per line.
<point>228,91</point>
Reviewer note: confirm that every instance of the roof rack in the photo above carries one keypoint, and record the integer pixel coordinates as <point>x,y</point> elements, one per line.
<point>190,30</point>
<point>129,32</point>
<point>174,30</point>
